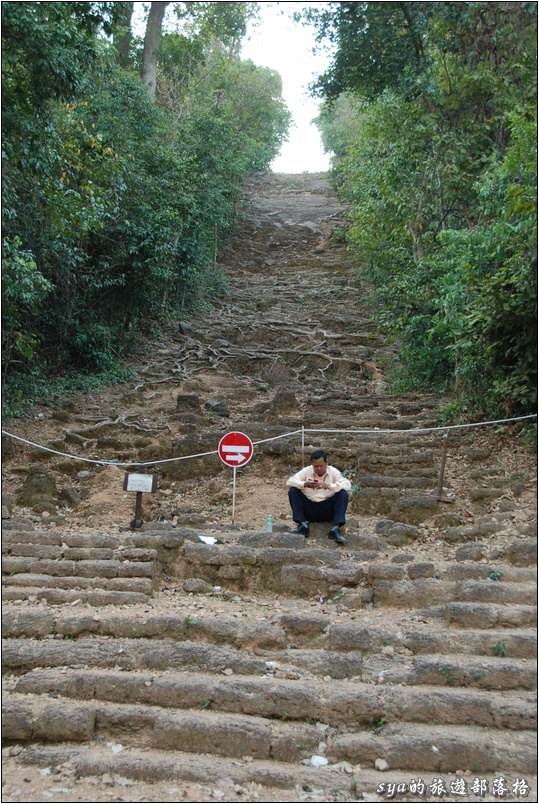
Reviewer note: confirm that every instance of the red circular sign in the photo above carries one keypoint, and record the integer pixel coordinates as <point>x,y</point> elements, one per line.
<point>235,449</point>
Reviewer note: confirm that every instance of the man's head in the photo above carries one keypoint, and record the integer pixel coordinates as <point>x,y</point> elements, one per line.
<point>319,460</point>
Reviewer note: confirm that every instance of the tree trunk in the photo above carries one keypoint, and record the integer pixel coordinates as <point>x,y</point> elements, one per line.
<point>122,32</point>
<point>152,40</point>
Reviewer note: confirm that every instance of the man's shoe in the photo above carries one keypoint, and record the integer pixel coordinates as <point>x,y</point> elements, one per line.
<point>336,535</point>
<point>302,529</point>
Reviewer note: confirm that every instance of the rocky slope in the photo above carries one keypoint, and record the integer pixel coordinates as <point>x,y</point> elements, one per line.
<point>164,668</point>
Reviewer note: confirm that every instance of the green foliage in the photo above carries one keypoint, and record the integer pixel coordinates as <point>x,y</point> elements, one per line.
<point>437,158</point>
<point>447,673</point>
<point>20,389</point>
<point>47,51</point>
<point>115,208</point>
<point>379,45</point>
<point>216,21</point>
<point>500,649</point>
<point>24,289</point>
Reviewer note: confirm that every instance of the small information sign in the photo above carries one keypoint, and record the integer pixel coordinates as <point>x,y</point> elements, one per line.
<point>139,482</point>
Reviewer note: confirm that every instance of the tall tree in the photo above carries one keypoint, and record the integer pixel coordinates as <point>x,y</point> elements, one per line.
<point>122,34</point>
<point>152,40</point>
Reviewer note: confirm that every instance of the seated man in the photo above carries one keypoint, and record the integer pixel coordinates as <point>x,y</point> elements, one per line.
<point>319,493</point>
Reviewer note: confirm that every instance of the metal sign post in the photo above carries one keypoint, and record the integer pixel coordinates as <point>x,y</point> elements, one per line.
<point>139,483</point>
<point>233,494</point>
<point>235,449</point>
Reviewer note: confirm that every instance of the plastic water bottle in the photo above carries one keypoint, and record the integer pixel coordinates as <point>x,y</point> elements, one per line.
<point>269,524</point>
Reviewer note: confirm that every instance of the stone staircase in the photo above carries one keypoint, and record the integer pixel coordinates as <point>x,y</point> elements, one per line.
<point>287,650</point>
<point>99,569</point>
<point>267,667</point>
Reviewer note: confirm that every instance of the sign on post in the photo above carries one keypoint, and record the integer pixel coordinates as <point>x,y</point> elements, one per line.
<point>235,450</point>
<point>139,483</point>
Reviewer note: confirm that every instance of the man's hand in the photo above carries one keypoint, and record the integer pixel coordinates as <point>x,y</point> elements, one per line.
<point>314,484</point>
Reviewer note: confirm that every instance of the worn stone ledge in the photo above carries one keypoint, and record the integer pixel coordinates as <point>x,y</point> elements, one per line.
<point>496,592</point>
<point>411,748</point>
<point>485,672</point>
<point>408,593</point>
<point>464,571</point>
<point>398,481</point>
<point>56,597</point>
<point>46,722</point>
<point>341,703</point>
<point>520,643</point>
<point>483,615</point>
<point>232,735</point>
<point>78,582</point>
<point>152,727</point>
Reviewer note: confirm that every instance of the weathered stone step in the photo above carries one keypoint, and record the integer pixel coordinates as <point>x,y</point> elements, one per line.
<point>406,481</point>
<point>489,672</point>
<point>336,704</point>
<point>144,585</point>
<point>485,672</point>
<point>484,615</point>
<point>34,718</point>
<point>30,549</point>
<point>13,531</point>
<point>55,597</point>
<point>160,766</point>
<point>432,748</point>
<point>313,571</point>
<point>21,655</point>
<point>520,643</point>
<point>83,568</point>
<point>496,592</point>
<point>304,630</point>
<point>405,746</point>
<point>472,571</point>
<point>510,610</point>
<point>393,503</point>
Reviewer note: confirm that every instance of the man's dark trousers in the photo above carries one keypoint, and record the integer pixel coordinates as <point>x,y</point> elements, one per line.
<point>331,510</point>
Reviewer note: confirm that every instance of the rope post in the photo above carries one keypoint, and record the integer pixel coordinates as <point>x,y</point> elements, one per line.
<point>440,491</point>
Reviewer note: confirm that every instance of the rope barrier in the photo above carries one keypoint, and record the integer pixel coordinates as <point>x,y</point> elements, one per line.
<point>303,431</point>
<point>429,429</point>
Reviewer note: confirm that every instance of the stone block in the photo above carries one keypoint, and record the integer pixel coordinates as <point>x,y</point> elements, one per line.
<point>345,637</point>
<point>296,624</point>
<point>87,553</point>
<point>135,569</point>
<point>523,553</point>
<point>421,570</point>
<point>230,572</point>
<point>385,571</point>
<point>303,580</point>
<point>470,552</point>
<point>347,573</point>
<point>480,494</point>
<point>407,593</point>
<point>90,569</point>
<point>196,585</point>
